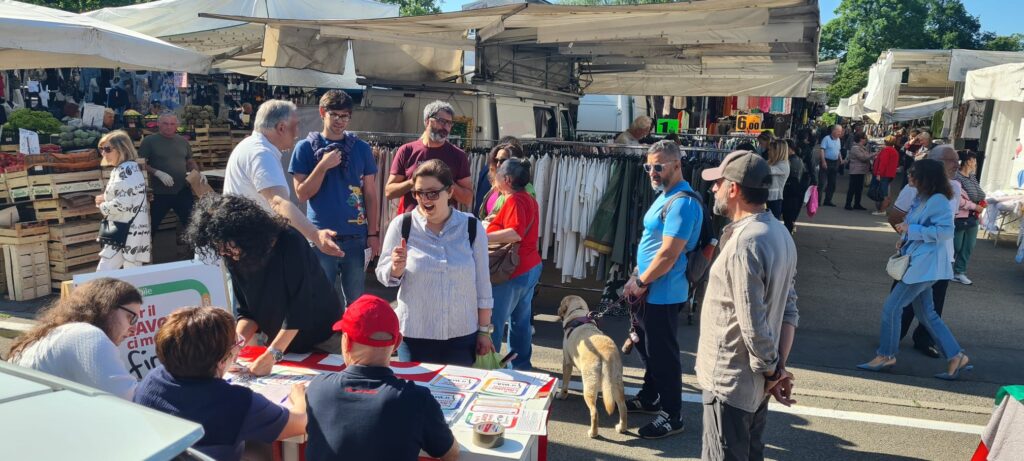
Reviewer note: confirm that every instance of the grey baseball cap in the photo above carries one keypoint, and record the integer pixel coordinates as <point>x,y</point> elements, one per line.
<point>744,168</point>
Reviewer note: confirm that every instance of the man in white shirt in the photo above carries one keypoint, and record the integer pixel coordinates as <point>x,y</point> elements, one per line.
<point>897,213</point>
<point>254,170</point>
<point>832,145</point>
<point>639,129</point>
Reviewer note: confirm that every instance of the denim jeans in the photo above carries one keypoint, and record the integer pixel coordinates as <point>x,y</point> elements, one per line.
<point>920,296</point>
<point>513,303</point>
<point>350,266</point>
<point>455,351</point>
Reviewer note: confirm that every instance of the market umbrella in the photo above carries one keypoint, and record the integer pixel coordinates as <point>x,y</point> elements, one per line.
<point>32,37</point>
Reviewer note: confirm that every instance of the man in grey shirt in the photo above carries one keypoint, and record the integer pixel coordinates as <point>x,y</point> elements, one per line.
<point>749,314</point>
<point>168,158</point>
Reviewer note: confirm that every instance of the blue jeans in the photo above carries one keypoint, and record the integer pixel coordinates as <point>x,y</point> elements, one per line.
<point>920,296</point>
<point>513,302</point>
<point>353,274</point>
<point>455,351</point>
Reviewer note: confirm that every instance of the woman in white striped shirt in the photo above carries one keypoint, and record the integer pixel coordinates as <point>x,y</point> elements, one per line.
<point>444,294</point>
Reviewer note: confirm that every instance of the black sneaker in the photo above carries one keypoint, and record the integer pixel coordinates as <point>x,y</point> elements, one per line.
<point>662,426</point>
<point>635,405</point>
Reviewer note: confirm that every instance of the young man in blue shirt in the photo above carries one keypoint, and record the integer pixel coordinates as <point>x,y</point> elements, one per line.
<point>335,172</point>
<point>661,275</point>
<point>365,411</point>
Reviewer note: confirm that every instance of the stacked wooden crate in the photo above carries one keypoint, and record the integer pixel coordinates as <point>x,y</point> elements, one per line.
<point>73,250</point>
<point>212,147</point>
<point>26,262</point>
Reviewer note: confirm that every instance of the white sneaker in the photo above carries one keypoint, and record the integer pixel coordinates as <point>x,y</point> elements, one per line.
<point>962,278</point>
<point>877,213</point>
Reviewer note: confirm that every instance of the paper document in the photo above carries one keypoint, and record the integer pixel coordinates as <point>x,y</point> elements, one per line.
<point>510,413</point>
<point>458,379</point>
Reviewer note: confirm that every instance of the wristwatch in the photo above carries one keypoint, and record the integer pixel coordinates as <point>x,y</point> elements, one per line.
<point>640,283</point>
<point>276,354</point>
<point>486,329</point>
<point>775,376</point>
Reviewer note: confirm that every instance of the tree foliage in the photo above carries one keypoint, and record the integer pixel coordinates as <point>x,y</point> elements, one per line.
<point>415,7</point>
<point>1013,42</point>
<point>863,29</point>
<point>81,6</point>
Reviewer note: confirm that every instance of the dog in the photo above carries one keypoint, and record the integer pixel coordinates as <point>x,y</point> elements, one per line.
<point>596,356</point>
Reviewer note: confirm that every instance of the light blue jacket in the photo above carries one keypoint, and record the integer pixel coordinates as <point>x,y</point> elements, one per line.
<point>929,225</point>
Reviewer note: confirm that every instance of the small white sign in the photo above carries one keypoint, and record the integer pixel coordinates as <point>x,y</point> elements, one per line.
<point>28,141</point>
<point>92,115</point>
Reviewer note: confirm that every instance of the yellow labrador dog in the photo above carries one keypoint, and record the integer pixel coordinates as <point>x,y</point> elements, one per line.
<point>596,356</point>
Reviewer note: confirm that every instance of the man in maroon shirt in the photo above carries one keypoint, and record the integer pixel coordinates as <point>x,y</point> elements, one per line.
<point>438,118</point>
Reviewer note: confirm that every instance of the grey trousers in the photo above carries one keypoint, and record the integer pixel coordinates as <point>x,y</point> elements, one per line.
<point>731,434</point>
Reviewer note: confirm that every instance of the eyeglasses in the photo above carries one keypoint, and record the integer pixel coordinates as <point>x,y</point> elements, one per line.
<point>656,167</point>
<point>429,194</point>
<point>342,117</point>
<point>106,149</point>
<point>501,160</point>
<point>133,317</point>
<point>239,341</point>
<point>443,121</point>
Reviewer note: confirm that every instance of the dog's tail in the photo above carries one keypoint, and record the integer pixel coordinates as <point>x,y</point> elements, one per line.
<point>612,389</point>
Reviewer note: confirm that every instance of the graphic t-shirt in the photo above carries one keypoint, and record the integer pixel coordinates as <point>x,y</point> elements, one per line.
<point>339,205</point>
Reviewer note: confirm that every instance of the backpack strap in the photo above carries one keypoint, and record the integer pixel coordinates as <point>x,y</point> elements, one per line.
<point>673,198</point>
<point>406,226</point>
<point>472,231</point>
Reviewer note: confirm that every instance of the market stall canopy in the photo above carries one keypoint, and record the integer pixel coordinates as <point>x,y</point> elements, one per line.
<point>912,112</point>
<point>38,37</point>
<point>237,45</point>
<point>997,83</point>
<point>853,106</point>
<point>703,48</point>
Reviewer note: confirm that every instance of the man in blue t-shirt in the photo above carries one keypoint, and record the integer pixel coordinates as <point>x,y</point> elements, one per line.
<point>832,145</point>
<point>661,274</point>
<point>335,172</point>
<point>366,412</point>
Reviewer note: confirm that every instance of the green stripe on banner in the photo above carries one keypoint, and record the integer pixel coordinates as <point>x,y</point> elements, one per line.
<point>176,286</point>
<point>1017,392</point>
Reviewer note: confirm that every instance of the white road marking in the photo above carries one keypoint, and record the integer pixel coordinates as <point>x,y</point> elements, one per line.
<point>801,410</point>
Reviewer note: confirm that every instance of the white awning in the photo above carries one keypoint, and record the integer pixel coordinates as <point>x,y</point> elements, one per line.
<point>721,48</point>
<point>912,112</point>
<point>998,83</point>
<point>38,37</point>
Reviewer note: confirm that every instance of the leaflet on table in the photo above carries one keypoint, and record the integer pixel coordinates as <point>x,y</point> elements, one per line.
<point>509,412</point>
<point>454,378</point>
<point>452,403</point>
<point>276,386</point>
<point>512,383</point>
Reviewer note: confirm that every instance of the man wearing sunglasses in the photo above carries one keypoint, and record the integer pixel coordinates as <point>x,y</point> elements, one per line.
<point>336,173</point>
<point>671,229</point>
<point>438,120</point>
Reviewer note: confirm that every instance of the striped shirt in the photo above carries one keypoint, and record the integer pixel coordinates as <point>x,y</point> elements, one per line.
<point>445,280</point>
<point>971,186</point>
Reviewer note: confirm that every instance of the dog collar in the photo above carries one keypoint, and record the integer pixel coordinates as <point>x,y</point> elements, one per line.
<point>589,318</point>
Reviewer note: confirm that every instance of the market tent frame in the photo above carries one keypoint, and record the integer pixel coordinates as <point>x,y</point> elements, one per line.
<point>1004,160</point>
<point>719,48</point>
<point>235,45</point>
<point>39,37</point>
<point>912,112</point>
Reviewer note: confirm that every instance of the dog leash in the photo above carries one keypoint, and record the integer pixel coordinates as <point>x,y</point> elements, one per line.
<point>635,304</point>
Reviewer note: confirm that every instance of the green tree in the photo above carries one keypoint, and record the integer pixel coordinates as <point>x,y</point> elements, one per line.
<point>415,7</point>
<point>81,6</point>
<point>1013,42</point>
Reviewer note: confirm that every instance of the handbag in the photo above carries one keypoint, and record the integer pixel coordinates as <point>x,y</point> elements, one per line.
<point>811,200</point>
<point>897,266</point>
<point>114,233</point>
<point>503,259</point>
<point>970,221</point>
<point>875,190</point>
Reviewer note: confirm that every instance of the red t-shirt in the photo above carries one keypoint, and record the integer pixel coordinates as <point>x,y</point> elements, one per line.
<point>411,155</point>
<point>518,212</point>
<point>886,163</point>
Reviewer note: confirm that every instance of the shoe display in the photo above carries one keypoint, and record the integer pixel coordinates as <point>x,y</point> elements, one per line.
<point>662,426</point>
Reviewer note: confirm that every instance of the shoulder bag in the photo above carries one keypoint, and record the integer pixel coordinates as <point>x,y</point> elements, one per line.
<point>114,233</point>
<point>503,259</point>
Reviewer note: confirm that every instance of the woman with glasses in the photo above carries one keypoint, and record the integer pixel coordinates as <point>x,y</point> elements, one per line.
<point>437,257</point>
<point>76,338</point>
<point>196,347</point>
<point>491,200</point>
<point>124,201</point>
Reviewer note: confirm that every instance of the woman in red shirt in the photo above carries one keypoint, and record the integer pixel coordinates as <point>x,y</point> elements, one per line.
<point>517,221</point>
<point>885,171</point>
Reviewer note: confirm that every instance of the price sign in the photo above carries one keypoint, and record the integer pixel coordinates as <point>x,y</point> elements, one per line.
<point>666,126</point>
<point>749,123</point>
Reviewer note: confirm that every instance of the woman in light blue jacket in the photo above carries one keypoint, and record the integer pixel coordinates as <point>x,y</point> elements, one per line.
<point>923,234</point>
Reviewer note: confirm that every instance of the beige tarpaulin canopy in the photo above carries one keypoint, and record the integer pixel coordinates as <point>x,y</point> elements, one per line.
<point>35,37</point>
<point>703,48</point>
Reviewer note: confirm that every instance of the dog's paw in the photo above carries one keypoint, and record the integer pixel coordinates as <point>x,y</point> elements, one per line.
<point>562,395</point>
<point>621,428</point>
<point>592,433</point>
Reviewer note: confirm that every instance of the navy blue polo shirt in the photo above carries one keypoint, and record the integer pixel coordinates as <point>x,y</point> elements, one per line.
<point>369,413</point>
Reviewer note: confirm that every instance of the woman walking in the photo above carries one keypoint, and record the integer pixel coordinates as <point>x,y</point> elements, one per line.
<point>922,235</point>
<point>972,201</point>
<point>860,164</point>
<point>793,192</point>
<point>124,201</point>
<point>884,171</point>
<point>516,222</point>
<point>778,160</point>
<point>437,257</point>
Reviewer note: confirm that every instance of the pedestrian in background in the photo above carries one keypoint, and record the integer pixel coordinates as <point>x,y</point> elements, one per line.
<point>860,164</point>
<point>778,161</point>
<point>168,158</point>
<point>832,146</point>
<point>124,200</point>
<point>972,201</point>
<point>884,171</point>
<point>927,225</point>
<point>793,192</point>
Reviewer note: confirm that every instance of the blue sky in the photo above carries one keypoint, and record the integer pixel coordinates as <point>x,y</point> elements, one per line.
<point>993,13</point>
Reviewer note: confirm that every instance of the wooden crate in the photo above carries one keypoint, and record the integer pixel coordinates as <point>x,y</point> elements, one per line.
<point>74,233</point>
<point>58,278</point>
<point>54,185</point>
<point>51,210</point>
<point>24,233</point>
<point>18,188</point>
<point>27,271</point>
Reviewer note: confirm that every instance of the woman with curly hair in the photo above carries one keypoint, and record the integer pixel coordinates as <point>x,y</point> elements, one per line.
<point>277,279</point>
<point>76,338</point>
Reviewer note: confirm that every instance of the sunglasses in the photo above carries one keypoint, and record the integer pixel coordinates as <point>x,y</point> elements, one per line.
<point>106,149</point>
<point>656,167</point>
<point>133,317</point>
<point>239,341</point>
<point>429,194</point>
<point>443,121</point>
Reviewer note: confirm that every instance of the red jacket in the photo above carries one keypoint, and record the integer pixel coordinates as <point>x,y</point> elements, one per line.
<point>886,162</point>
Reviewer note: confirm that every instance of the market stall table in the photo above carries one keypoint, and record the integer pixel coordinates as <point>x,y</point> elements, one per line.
<point>517,446</point>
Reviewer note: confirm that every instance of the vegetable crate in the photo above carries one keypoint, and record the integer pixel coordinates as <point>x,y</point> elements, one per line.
<point>17,186</point>
<point>27,271</point>
<point>73,250</point>
<point>51,186</point>
<point>23,233</point>
<point>212,146</point>
<point>54,210</point>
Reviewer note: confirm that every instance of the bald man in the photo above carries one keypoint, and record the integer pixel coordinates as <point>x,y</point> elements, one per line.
<point>897,213</point>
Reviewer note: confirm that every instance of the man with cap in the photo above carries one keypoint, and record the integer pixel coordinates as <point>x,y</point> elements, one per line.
<point>749,314</point>
<point>365,411</point>
<point>671,229</point>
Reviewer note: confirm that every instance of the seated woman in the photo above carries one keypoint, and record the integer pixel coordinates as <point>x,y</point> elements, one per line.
<point>277,279</point>
<point>77,337</point>
<point>195,347</point>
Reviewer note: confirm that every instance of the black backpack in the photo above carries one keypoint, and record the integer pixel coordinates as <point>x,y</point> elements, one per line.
<point>407,227</point>
<point>697,264</point>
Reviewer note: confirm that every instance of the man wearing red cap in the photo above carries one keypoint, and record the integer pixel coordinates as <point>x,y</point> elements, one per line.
<point>365,411</point>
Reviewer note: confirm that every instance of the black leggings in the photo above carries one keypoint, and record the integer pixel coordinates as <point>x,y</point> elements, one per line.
<point>853,194</point>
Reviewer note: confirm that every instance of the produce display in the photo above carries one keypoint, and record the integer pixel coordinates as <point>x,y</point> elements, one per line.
<point>201,116</point>
<point>41,122</point>
<point>76,137</point>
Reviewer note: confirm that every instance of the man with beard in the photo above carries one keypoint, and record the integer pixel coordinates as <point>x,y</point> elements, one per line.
<point>438,119</point>
<point>276,277</point>
<point>671,229</point>
<point>749,315</point>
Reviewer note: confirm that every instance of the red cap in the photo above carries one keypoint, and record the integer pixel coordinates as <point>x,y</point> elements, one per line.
<point>367,317</point>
